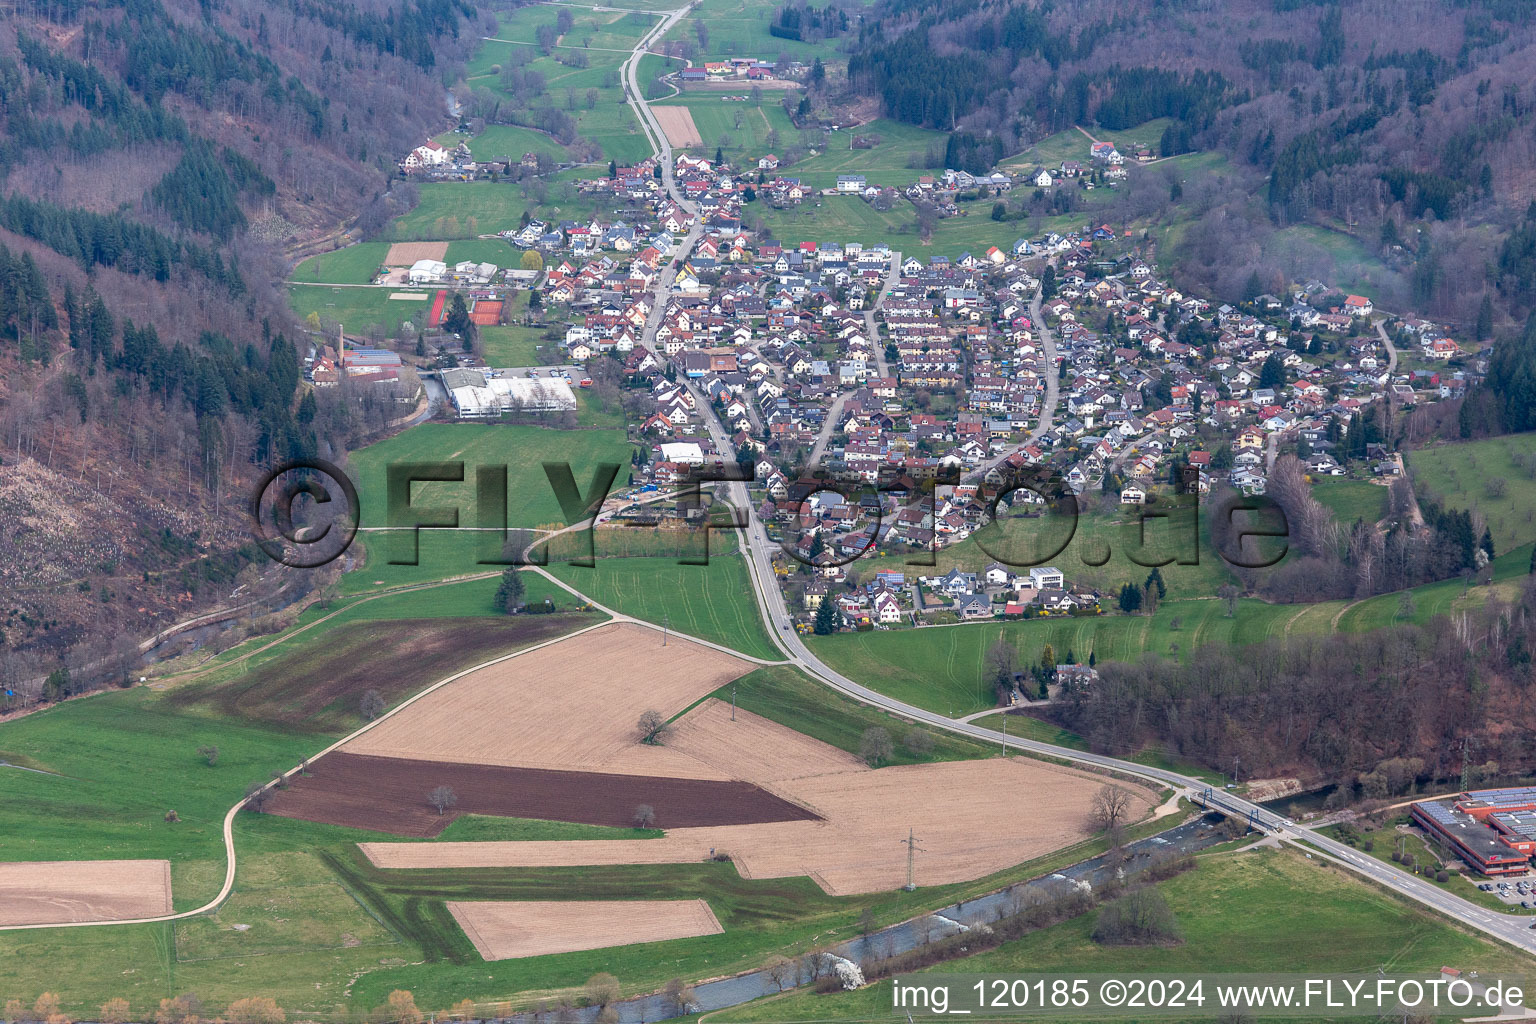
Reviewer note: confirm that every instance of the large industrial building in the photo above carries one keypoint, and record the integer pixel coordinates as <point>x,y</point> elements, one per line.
<point>1493,830</point>
<point>475,396</point>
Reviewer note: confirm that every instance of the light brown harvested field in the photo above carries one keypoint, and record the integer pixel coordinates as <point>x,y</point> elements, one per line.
<point>571,705</point>
<point>754,748</point>
<point>972,818</point>
<point>508,930</point>
<point>54,892</point>
<point>677,122</point>
<point>403,254</point>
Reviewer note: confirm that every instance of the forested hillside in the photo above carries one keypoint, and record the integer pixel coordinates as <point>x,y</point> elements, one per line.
<point>160,163</point>
<point>1408,127</point>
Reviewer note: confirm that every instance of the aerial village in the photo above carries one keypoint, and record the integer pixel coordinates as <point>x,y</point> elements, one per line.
<point>860,364</point>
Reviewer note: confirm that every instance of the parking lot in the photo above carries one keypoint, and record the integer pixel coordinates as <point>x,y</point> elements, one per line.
<point>1517,893</point>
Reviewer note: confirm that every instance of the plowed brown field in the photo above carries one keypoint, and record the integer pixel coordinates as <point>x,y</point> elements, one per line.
<point>54,892</point>
<point>571,705</point>
<point>504,931</point>
<point>403,254</point>
<point>971,818</point>
<point>389,794</point>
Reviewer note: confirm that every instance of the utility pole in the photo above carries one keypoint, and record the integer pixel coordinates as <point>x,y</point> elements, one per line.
<point>1466,763</point>
<point>912,849</point>
<point>666,622</point>
<point>733,702</point>
<point>1005,732</point>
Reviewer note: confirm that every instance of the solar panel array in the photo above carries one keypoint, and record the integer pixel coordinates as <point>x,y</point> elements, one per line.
<point>1515,795</point>
<point>1438,813</point>
<point>1521,823</point>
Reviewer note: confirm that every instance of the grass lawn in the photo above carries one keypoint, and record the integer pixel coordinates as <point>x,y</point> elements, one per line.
<point>1023,541</point>
<point>360,309</point>
<point>787,696</point>
<point>1262,911</point>
<point>739,28</point>
<point>1355,267</point>
<point>843,218</point>
<point>506,141</point>
<point>531,500</point>
<point>465,209</point>
<point>1463,474</point>
<point>1351,499</point>
<point>122,760</point>
<point>713,602</point>
<point>943,668</point>
<point>354,264</point>
<point>483,250</point>
<point>511,346</point>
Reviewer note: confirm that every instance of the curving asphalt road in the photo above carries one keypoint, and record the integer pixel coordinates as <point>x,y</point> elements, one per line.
<point>1052,392</point>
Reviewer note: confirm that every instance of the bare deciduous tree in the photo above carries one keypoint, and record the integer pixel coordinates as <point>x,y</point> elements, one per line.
<point>652,724</point>
<point>681,995</point>
<point>372,705</point>
<point>875,745</point>
<point>442,797</point>
<point>1111,804</point>
<point>256,796</point>
<point>645,816</point>
<point>780,971</point>
<point>602,989</point>
<point>209,754</point>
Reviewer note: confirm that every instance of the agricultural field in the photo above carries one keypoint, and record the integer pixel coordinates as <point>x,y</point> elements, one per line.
<point>503,931</point>
<point>282,690</point>
<point>1271,910</point>
<point>713,602</point>
<point>583,736</point>
<point>579,725</point>
<point>1494,478</point>
<point>530,498</point>
<point>51,892</point>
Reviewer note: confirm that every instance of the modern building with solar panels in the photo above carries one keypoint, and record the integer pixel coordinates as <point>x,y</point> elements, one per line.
<point>1493,830</point>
